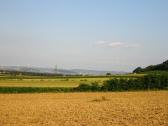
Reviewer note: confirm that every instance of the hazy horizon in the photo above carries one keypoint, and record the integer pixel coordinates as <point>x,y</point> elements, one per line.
<point>113,35</point>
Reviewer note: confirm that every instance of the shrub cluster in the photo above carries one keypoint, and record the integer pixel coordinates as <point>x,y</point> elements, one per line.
<point>88,87</point>
<point>151,81</point>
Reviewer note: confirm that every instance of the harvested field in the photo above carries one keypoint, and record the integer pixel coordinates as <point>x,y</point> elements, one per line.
<point>85,109</point>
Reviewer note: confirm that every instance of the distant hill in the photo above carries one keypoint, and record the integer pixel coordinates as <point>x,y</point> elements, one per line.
<point>59,71</point>
<point>96,72</point>
<point>37,70</point>
<point>159,67</point>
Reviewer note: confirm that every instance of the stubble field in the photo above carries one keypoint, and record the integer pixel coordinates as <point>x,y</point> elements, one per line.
<point>85,109</point>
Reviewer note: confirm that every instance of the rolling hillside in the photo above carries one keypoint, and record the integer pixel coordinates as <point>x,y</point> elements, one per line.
<point>159,67</point>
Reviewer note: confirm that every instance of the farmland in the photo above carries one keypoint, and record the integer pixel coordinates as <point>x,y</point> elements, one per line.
<point>32,101</point>
<point>7,80</point>
<point>58,82</point>
<point>44,84</point>
<point>85,109</point>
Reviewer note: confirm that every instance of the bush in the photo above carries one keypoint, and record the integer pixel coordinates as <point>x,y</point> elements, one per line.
<point>84,87</point>
<point>151,81</point>
<point>95,86</point>
<point>89,87</point>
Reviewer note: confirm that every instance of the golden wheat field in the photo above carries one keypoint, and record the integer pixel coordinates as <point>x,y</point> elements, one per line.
<point>85,109</point>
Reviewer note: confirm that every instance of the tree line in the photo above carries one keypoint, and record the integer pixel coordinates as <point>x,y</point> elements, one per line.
<point>148,82</point>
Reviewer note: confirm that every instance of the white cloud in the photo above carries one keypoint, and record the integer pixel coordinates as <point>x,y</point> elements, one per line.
<point>132,45</point>
<point>117,44</point>
<point>101,43</point>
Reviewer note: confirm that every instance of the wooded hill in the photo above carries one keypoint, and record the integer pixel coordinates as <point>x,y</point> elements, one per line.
<point>159,67</point>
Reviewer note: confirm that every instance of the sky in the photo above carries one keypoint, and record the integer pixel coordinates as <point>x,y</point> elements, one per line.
<point>117,35</point>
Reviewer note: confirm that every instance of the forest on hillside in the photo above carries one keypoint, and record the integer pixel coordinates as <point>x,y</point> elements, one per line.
<point>159,67</point>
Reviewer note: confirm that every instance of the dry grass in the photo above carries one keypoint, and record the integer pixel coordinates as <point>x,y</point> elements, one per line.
<point>78,109</point>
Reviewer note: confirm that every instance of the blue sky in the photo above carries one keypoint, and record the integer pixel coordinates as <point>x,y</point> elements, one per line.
<point>90,34</point>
